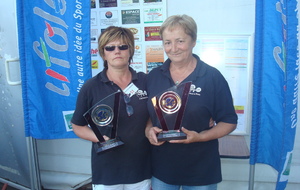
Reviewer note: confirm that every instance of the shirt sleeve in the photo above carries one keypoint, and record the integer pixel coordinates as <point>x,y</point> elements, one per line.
<point>223,107</point>
<point>81,108</point>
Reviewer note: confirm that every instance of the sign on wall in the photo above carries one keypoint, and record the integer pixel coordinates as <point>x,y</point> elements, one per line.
<point>232,56</point>
<point>142,17</point>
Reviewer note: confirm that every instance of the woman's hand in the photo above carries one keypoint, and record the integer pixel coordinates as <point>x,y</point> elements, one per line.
<point>191,136</point>
<point>151,134</point>
<point>219,130</point>
<point>106,138</point>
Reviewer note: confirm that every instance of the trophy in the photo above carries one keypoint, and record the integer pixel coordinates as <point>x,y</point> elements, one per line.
<point>169,107</point>
<point>103,120</point>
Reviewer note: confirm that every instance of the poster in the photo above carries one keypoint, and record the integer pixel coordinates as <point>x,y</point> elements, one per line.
<point>131,16</point>
<point>108,3</point>
<point>153,15</point>
<point>152,33</point>
<point>230,54</point>
<point>108,18</point>
<point>154,56</point>
<point>142,17</point>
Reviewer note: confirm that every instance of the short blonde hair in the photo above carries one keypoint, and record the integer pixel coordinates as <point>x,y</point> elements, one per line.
<point>113,33</point>
<point>184,21</point>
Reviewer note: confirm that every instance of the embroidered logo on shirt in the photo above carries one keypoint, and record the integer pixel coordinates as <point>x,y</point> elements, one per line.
<point>142,94</point>
<point>195,90</point>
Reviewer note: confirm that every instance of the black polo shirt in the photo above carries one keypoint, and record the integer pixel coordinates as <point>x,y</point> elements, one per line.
<point>131,162</point>
<point>209,97</point>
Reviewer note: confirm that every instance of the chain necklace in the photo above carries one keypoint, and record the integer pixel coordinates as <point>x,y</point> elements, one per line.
<point>182,75</point>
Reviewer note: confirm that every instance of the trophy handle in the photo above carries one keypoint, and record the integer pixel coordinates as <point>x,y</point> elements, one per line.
<point>159,114</point>
<point>184,99</point>
<point>116,113</point>
<point>94,127</point>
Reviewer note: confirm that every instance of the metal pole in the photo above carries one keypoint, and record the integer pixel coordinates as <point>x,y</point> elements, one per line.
<point>35,179</point>
<point>251,177</point>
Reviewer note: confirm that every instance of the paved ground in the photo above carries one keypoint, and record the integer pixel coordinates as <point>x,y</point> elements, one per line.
<point>6,187</point>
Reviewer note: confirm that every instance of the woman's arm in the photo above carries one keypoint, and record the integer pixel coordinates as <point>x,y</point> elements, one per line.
<point>85,132</point>
<point>218,131</point>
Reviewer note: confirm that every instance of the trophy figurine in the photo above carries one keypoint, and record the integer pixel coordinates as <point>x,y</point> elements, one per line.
<point>103,120</point>
<point>169,107</point>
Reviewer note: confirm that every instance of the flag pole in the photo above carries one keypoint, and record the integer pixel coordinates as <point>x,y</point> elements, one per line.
<point>251,177</point>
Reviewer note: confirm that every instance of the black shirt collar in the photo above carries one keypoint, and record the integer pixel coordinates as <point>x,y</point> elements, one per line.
<point>199,71</point>
<point>105,79</point>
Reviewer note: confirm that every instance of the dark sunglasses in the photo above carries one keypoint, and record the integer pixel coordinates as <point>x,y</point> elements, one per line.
<point>112,48</point>
<point>129,108</point>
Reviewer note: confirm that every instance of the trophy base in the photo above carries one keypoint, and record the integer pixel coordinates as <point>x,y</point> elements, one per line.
<point>171,135</point>
<point>107,145</point>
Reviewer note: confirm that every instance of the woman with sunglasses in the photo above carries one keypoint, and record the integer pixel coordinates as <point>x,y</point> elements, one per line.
<point>128,166</point>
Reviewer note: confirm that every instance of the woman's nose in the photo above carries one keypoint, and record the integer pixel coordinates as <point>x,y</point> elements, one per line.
<point>174,46</point>
<point>117,50</point>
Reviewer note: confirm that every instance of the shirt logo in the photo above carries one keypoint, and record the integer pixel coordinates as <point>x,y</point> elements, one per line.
<point>195,90</point>
<point>142,94</point>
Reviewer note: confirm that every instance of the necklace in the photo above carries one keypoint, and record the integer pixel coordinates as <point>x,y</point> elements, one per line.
<point>178,77</point>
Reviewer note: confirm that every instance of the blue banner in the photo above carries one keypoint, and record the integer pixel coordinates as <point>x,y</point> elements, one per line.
<point>275,88</point>
<point>54,48</point>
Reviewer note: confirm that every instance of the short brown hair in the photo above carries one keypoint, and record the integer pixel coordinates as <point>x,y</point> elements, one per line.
<point>184,21</point>
<point>113,33</point>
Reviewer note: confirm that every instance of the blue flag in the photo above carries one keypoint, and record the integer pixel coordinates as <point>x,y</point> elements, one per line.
<point>275,89</point>
<point>54,48</point>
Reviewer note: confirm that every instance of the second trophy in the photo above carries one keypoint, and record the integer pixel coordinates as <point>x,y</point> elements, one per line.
<point>169,107</point>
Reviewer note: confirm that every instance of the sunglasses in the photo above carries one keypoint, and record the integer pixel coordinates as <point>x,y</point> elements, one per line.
<point>129,108</point>
<point>112,48</point>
